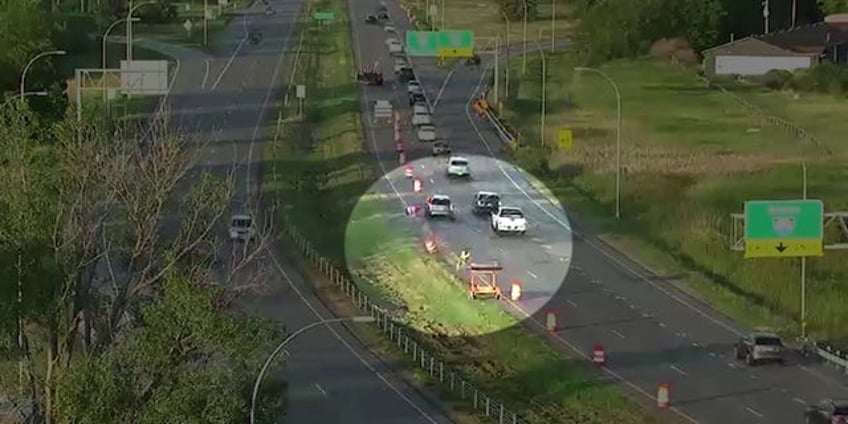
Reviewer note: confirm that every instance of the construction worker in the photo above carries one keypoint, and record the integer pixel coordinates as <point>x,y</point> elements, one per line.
<point>464,258</point>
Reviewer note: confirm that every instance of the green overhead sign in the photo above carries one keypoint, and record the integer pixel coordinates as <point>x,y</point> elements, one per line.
<point>440,43</point>
<point>784,228</point>
<point>324,16</point>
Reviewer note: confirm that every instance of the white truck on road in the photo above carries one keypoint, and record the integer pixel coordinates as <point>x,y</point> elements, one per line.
<point>509,219</point>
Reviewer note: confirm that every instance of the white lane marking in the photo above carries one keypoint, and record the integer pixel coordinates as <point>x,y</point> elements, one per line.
<point>732,365</point>
<point>373,138</point>
<point>662,324</point>
<point>547,247</point>
<point>532,275</point>
<point>571,302</point>
<point>320,389</point>
<point>231,59</point>
<point>678,370</point>
<point>432,181</point>
<point>617,333</point>
<point>712,354</point>
<point>442,89</point>
<point>205,73</point>
<point>695,344</point>
<point>754,411</point>
<point>799,400</point>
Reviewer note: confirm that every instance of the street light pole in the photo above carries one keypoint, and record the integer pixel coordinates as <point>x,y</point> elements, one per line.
<point>29,64</point>
<point>506,71</point>
<point>105,38</point>
<point>617,137</point>
<point>544,101</point>
<point>130,12</point>
<point>286,341</point>
<point>804,261</point>
<point>524,36</point>
<point>553,24</point>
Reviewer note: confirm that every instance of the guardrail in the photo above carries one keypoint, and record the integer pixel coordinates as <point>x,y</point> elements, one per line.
<point>503,133</point>
<point>832,356</point>
<point>450,379</point>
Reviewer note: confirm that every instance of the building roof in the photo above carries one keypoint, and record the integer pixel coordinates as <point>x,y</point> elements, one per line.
<point>808,40</point>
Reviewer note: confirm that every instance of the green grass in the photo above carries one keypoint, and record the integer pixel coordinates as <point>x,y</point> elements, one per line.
<point>317,171</point>
<point>691,156</point>
<point>174,32</point>
<point>484,343</point>
<point>484,18</point>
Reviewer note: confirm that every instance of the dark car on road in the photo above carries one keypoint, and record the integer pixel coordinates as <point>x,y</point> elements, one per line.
<point>371,19</point>
<point>760,347</point>
<point>416,97</point>
<point>486,202</point>
<point>827,411</point>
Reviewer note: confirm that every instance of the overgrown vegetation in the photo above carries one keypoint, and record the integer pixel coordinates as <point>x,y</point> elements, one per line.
<point>692,155</point>
<point>119,321</point>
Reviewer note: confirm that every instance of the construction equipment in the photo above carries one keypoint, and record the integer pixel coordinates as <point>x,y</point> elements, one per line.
<point>483,280</point>
<point>370,75</point>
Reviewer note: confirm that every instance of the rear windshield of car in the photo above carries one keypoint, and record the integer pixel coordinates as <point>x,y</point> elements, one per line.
<point>489,198</point>
<point>512,213</point>
<point>767,341</point>
<point>241,223</point>
<point>441,202</point>
<point>458,162</point>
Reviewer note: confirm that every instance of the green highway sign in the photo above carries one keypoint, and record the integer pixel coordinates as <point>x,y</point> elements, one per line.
<point>324,16</point>
<point>456,44</point>
<point>422,43</point>
<point>784,228</point>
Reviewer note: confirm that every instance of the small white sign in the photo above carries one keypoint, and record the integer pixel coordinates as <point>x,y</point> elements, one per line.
<point>223,2</point>
<point>300,91</point>
<point>434,10</point>
<point>210,14</point>
<point>188,25</point>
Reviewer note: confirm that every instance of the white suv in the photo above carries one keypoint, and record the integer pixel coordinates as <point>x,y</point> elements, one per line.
<point>458,167</point>
<point>509,219</point>
<point>242,228</point>
<point>439,205</point>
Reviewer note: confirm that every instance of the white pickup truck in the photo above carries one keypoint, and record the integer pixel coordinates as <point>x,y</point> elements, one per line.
<point>509,219</point>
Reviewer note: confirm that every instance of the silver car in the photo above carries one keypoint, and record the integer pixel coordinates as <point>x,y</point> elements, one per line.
<point>760,347</point>
<point>439,205</point>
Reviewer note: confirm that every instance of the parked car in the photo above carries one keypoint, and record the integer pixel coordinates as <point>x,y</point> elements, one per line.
<point>827,411</point>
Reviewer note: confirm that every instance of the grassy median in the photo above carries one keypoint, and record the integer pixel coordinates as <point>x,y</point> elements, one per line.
<point>691,156</point>
<point>317,171</point>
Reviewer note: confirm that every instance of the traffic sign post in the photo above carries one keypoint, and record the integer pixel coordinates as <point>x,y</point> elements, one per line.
<point>784,228</point>
<point>422,43</point>
<point>456,44</point>
<point>565,138</point>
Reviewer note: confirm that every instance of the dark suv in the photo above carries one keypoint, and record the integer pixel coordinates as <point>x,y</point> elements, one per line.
<point>827,411</point>
<point>486,202</point>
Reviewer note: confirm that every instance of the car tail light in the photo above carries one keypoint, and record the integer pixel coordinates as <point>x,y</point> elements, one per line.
<point>839,419</point>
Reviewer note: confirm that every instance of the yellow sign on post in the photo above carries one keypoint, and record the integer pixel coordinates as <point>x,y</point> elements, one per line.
<point>565,138</point>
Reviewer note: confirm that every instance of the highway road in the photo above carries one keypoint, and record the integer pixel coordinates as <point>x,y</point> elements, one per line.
<point>652,330</point>
<point>225,100</point>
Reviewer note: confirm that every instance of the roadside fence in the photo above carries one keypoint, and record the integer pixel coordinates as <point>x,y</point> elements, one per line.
<point>449,378</point>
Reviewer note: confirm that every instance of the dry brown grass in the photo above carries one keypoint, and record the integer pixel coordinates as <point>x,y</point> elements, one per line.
<point>678,49</point>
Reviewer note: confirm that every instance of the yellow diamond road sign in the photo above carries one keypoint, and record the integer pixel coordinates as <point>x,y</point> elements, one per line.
<point>565,138</point>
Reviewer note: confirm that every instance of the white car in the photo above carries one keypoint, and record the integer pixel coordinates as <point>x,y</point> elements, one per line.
<point>420,107</point>
<point>509,219</point>
<point>390,29</point>
<point>242,228</point>
<point>426,133</point>
<point>422,118</point>
<point>414,87</point>
<point>441,147</point>
<point>395,47</point>
<point>458,167</point>
<point>439,205</point>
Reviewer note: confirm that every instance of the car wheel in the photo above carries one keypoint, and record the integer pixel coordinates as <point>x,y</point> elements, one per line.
<point>737,353</point>
<point>749,359</point>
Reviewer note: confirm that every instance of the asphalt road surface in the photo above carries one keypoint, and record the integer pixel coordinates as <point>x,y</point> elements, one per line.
<point>652,331</point>
<point>223,100</point>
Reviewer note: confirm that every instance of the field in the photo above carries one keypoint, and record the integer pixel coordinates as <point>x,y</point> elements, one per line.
<point>485,19</point>
<point>317,171</point>
<point>691,155</point>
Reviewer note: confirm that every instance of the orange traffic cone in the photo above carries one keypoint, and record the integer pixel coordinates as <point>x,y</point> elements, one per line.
<point>430,245</point>
<point>599,357</point>
<point>408,171</point>
<point>515,292</point>
<point>662,396</point>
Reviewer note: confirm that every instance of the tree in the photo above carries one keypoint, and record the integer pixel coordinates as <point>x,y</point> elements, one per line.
<point>830,7</point>
<point>86,208</point>
<point>514,9</point>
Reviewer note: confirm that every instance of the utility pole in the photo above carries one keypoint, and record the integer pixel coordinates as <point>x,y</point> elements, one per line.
<point>766,12</point>
<point>804,260</point>
<point>497,73</point>
<point>794,12</point>
<point>205,22</point>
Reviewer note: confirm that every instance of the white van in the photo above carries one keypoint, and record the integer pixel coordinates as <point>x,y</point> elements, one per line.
<point>419,119</point>
<point>419,107</point>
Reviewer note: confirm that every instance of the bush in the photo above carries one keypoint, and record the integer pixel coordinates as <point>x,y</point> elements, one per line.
<point>674,49</point>
<point>826,77</point>
<point>775,79</point>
